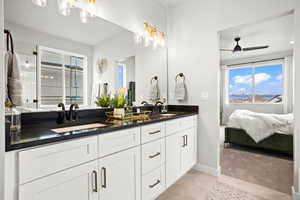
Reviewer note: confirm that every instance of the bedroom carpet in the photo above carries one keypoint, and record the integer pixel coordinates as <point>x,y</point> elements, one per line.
<point>258,168</point>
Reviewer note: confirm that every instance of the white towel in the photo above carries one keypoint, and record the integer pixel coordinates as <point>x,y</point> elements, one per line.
<point>13,79</point>
<point>154,91</point>
<point>180,90</point>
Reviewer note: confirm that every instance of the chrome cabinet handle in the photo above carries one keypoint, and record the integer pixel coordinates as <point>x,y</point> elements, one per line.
<point>95,189</point>
<point>183,137</point>
<point>154,132</point>
<point>103,170</point>
<point>155,184</point>
<point>155,155</point>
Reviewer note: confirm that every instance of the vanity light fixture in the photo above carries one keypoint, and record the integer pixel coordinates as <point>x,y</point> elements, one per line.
<point>41,3</point>
<point>88,7</point>
<point>152,36</point>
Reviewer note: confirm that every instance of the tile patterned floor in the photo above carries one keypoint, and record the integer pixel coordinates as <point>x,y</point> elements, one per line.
<point>196,186</point>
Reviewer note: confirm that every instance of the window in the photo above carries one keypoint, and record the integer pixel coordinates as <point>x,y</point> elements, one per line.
<point>121,75</point>
<point>62,77</point>
<point>256,83</point>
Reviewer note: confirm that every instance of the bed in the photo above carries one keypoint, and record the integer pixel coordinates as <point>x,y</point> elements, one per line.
<point>270,132</point>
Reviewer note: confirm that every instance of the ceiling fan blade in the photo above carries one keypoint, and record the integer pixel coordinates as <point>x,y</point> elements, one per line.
<point>255,48</point>
<point>225,50</point>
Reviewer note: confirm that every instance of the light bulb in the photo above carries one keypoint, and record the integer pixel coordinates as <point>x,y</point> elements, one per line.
<point>147,41</point>
<point>91,8</point>
<point>27,65</point>
<point>84,16</point>
<point>64,7</point>
<point>138,38</point>
<point>41,3</point>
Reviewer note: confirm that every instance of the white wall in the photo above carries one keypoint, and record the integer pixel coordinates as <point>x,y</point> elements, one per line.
<point>297,99</point>
<point>148,63</point>
<point>131,14</point>
<point>2,98</point>
<point>193,49</point>
<point>26,40</point>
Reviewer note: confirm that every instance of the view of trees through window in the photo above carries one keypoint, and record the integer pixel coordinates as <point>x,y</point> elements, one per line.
<point>256,84</point>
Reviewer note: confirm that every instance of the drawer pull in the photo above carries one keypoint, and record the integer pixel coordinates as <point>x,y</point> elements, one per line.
<point>154,132</point>
<point>103,169</point>
<point>155,155</point>
<point>155,184</point>
<point>183,139</point>
<point>95,189</point>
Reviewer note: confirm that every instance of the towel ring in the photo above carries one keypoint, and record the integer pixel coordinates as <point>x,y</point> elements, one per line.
<point>154,78</point>
<point>181,75</point>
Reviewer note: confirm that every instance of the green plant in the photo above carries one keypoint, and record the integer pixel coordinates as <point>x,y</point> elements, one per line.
<point>103,101</point>
<point>119,101</point>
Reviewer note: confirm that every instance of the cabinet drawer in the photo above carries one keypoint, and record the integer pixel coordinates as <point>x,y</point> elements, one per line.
<point>176,125</point>
<point>39,162</point>
<point>118,141</point>
<point>153,155</point>
<point>153,184</point>
<point>152,132</point>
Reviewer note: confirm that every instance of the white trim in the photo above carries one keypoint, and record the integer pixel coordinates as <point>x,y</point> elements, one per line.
<point>208,170</point>
<point>62,53</point>
<point>296,195</point>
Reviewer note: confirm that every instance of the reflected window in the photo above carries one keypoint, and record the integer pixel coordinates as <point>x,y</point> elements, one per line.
<point>121,76</point>
<point>62,77</point>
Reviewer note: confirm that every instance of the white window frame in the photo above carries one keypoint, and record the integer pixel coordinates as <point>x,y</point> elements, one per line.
<point>254,65</point>
<point>63,54</point>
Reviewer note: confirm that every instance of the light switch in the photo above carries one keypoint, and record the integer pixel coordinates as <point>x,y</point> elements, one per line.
<point>204,96</point>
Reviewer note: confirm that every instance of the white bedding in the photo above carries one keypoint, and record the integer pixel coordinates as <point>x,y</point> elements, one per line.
<point>260,125</point>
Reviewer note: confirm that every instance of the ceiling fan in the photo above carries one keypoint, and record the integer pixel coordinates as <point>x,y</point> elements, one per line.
<point>238,48</point>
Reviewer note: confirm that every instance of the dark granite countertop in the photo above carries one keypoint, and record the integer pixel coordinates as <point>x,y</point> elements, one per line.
<point>40,133</point>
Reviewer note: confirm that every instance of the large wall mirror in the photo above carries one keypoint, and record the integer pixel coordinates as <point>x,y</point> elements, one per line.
<point>64,60</point>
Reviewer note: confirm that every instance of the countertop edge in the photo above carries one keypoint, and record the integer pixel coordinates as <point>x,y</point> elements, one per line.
<point>38,143</point>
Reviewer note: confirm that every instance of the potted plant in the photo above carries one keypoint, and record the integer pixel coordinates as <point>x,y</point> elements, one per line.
<point>103,101</point>
<point>118,103</point>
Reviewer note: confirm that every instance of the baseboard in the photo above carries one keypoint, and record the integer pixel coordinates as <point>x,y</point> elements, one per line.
<point>296,195</point>
<point>208,170</point>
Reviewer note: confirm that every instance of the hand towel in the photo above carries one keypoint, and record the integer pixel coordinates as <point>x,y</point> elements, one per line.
<point>13,85</point>
<point>180,89</point>
<point>154,91</point>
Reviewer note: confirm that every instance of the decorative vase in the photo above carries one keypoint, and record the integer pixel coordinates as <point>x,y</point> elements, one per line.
<point>119,112</point>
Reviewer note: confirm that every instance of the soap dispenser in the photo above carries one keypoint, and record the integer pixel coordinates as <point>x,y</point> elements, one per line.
<point>164,108</point>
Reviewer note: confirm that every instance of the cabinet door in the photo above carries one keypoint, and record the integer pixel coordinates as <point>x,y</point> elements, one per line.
<point>120,176</point>
<point>174,144</point>
<point>188,150</point>
<point>79,183</point>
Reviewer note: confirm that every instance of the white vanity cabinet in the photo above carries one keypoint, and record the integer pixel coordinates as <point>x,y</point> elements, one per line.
<point>181,148</point>
<point>78,183</point>
<point>131,164</point>
<point>119,176</point>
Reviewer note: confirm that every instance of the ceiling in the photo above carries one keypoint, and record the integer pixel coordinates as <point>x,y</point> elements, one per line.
<point>277,33</point>
<point>170,3</point>
<point>48,20</point>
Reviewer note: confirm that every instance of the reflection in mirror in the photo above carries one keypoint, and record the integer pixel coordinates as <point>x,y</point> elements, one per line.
<point>63,60</point>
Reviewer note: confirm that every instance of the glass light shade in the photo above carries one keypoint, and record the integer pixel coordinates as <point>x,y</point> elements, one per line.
<point>41,3</point>
<point>84,15</point>
<point>64,7</point>
<point>91,8</point>
<point>138,38</point>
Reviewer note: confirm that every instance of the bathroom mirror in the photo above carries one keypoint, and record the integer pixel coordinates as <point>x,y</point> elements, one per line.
<point>64,60</point>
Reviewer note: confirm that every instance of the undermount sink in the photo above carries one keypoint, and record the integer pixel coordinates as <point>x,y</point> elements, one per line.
<point>77,128</point>
<point>167,115</point>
